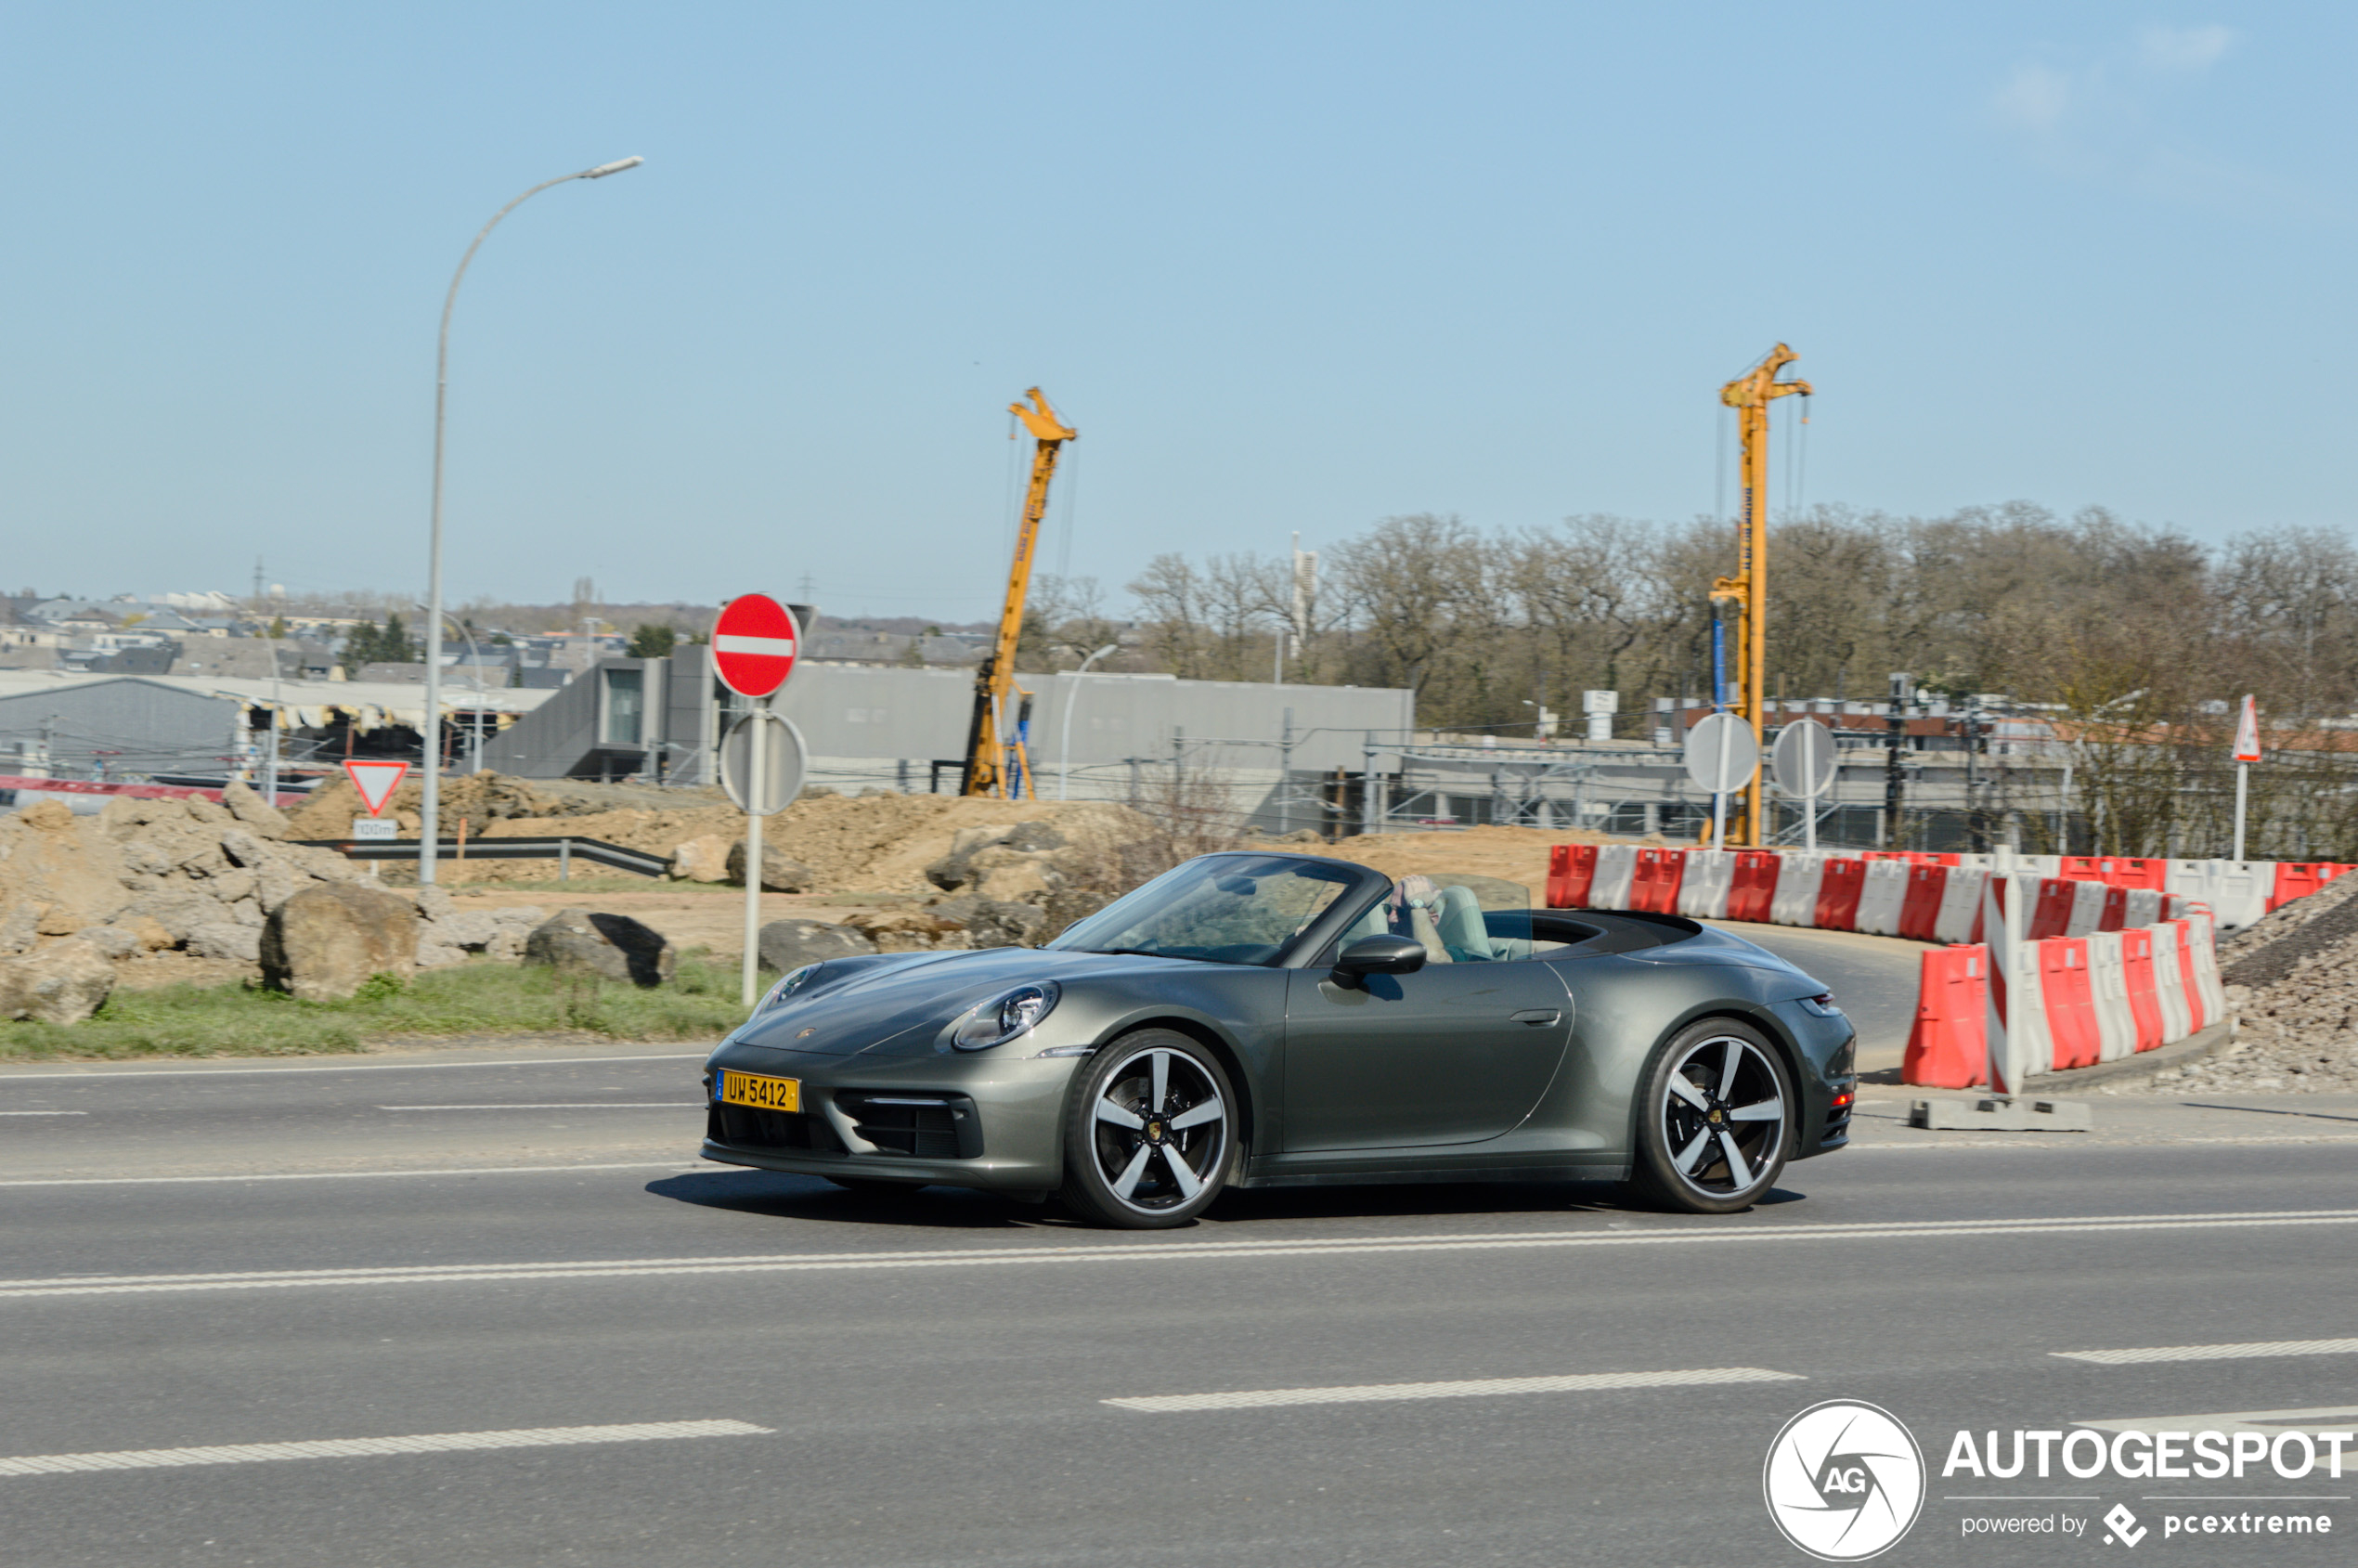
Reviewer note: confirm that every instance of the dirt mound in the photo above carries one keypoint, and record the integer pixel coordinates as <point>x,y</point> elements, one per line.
<point>479,798</point>
<point>1512,854</point>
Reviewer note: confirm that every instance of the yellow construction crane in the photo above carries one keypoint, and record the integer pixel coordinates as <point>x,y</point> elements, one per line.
<point>1750,395</point>
<point>994,732</point>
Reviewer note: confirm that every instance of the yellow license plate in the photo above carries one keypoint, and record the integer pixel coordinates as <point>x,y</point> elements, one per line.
<point>752,1089</point>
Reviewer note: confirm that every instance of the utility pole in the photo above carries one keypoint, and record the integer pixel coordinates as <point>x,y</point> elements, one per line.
<point>1750,395</point>
<point>1903,687</point>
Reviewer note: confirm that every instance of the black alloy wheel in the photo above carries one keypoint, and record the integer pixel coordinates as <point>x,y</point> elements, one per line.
<point>1715,1114</point>
<point>1148,1136</point>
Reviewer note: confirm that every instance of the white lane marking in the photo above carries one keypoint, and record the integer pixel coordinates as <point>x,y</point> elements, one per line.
<point>1998,1143</point>
<point>1366,1393</point>
<point>43,1113</point>
<point>681,1166</point>
<point>313,1064</point>
<point>359,1447</point>
<point>2248,1351</point>
<point>568,1105</point>
<point>2314,1420</point>
<point>1130,1252</point>
<point>768,647</point>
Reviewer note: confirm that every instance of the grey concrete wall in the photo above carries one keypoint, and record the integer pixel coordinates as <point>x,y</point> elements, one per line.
<point>864,721</point>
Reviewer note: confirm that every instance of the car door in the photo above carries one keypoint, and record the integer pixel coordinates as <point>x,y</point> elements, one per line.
<point>1452,1053</point>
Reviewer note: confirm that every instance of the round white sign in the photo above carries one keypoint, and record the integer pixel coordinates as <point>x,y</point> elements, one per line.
<point>1721,753</point>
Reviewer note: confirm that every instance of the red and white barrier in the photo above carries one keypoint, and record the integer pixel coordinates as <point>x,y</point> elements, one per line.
<point>1610,887</point>
<point>2049,963</point>
<point>1703,893</point>
<point>1798,879</point>
<point>1959,916</point>
<point>2108,982</point>
<point>1882,897</point>
<point>2087,909</point>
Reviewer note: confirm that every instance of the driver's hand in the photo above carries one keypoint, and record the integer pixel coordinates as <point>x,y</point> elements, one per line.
<point>1419,889</point>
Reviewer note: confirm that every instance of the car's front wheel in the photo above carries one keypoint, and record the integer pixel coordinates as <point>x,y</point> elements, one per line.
<point>1713,1117</point>
<point>1149,1136</point>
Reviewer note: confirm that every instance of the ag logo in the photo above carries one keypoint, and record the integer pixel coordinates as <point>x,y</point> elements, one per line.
<point>1843,1481</point>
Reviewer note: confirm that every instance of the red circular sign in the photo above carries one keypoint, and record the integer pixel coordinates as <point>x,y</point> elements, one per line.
<point>754,645</point>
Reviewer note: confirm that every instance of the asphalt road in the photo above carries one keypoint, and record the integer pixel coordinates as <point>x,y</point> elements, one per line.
<point>218,1256</point>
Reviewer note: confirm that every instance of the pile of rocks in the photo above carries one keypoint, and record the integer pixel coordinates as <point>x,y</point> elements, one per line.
<point>86,900</point>
<point>2293,978</point>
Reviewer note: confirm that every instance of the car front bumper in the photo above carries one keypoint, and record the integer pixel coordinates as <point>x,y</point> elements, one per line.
<point>979,1120</point>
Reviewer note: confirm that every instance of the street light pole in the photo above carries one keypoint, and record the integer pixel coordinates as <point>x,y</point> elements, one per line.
<point>430,806</point>
<point>1064,746</point>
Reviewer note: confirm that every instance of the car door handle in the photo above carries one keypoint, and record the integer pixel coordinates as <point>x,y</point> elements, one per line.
<point>1538,1015</point>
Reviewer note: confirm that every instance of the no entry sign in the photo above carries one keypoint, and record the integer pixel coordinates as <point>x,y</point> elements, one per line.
<point>754,643</point>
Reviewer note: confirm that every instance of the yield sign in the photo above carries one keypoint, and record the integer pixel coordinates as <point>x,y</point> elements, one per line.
<point>376,781</point>
<point>2248,734</point>
<point>754,645</point>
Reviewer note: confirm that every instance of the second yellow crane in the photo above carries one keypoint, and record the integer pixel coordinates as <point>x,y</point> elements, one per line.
<point>1750,395</point>
<point>996,763</point>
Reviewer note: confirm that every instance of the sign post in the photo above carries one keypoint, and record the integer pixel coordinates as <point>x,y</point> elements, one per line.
<point>2247,753</point>
<point>755,642</point>
<point>1803,760</point>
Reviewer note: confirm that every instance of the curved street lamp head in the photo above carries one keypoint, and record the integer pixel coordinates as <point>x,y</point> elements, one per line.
<point>603,169</point>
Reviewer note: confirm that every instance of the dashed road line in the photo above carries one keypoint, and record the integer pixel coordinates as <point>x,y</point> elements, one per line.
<point>369,1447</point>
<point>2249,1350</point>
<point>311,1064</point>
<point>570,1105</point>
<point>1360,1393</point>
<point>681,1166</point>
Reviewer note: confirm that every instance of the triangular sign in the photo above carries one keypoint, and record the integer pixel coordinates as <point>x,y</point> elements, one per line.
<point>376,781</point>
<point>2248,734</point>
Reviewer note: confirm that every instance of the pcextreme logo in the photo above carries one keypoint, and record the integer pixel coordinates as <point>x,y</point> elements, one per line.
<point>1843,1481</point>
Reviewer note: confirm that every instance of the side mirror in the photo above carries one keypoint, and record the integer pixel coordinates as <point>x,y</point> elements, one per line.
<point>1380,955</point>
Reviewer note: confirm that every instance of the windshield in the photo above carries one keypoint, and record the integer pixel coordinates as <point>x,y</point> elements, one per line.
<point>1222,908</point>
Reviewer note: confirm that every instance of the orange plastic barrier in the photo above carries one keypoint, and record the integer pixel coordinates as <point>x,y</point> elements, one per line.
<point>1838,888</point>
<point>2070,996</point>
<point>2189,985</point>
<point>2137,961</point>
<point>1752,891</point>
<point>1949,1047</point>
<point>2116,909</point>
<point>1654,885</point>
<point>1920,909</point>
<point>1571,869</point>
<point>2126,872</point>
<point>2295,879</point>
<point>2081,868</point>
<point>2051,916</point>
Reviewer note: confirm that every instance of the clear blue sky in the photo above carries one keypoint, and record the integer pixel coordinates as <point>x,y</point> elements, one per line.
<point>1286,266</point>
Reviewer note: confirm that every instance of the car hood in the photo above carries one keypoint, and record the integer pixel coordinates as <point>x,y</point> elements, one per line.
<point>875,1001</point>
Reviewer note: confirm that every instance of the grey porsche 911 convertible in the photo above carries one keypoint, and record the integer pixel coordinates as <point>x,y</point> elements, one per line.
<point>1256,1020</point>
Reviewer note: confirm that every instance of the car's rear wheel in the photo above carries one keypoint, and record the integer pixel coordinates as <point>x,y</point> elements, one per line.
<point>1715,1114</point>
<point>1149,1135</point>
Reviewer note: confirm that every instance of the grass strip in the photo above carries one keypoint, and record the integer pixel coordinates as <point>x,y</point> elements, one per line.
<point>481,997</point>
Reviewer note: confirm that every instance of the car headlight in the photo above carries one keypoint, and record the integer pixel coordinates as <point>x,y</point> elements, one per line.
<point>788,983</point>
<point>1005,1016</point>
